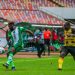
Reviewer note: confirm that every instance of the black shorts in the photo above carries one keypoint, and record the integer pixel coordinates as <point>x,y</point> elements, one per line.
<point>47,41</point>
<point>67,49</point>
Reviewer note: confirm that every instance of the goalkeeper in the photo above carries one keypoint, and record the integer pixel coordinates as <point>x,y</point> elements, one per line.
<point>68,31</point>
<point>15,42</point>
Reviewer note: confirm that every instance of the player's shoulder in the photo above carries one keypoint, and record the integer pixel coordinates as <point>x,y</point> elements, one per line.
<point>73,30</point>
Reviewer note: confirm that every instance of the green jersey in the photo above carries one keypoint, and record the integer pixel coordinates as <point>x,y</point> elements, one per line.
<point>16,38</point>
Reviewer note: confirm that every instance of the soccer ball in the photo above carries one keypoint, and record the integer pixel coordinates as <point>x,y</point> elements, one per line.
<point>2,50</point>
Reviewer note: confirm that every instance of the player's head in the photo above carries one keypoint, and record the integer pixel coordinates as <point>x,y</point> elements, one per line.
<point>46,28</point>
<point>11,26</point>
<point>67,26</point>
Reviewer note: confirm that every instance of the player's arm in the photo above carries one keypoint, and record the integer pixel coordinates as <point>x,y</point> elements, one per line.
<point>9,41</point>
<point>50,34</point>
<point>26,30</point>
<point>7,38</point>
<point>73,31</point>
<point>72,34</point>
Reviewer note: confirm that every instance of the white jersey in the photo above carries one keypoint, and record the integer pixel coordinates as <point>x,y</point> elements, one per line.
<point>15,35</point>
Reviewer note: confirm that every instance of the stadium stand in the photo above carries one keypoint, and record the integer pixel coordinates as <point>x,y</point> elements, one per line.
<point>25,4</point>
<point>34,4</point>
<point>29,16</point>
<point>27,10</point>
<point>65,3</point>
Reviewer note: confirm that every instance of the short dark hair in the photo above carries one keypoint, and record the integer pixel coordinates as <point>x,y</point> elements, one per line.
<point>11,23</point>
<point>67,26</point>
<point>67,23</point>
<point>11,26</point>
<point>45,28</point>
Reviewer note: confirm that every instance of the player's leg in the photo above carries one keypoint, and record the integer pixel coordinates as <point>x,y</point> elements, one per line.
<point>43,52</point>
<point>63,53</point>
<point>48,50</point>
<point>72,51</point>
<point>42,49</point>
<point>37,45</point>
<point>48,44</point>
<point>12,64</point>
<point>60,63</point>
<point>17,47</point>
<point>10,54</point>
<point>10,61</point>
<point>10,57</point>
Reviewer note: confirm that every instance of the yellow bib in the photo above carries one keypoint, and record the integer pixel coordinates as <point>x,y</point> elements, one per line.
<point>69,40</point>
<point>66,33</point>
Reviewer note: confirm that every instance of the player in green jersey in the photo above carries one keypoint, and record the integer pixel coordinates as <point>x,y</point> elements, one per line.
<point>15,42</point>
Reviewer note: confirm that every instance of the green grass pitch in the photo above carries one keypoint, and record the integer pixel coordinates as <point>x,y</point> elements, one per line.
<point>39,66</point>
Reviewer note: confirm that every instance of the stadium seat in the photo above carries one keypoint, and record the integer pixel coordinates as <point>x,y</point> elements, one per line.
<point>13,10</point>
